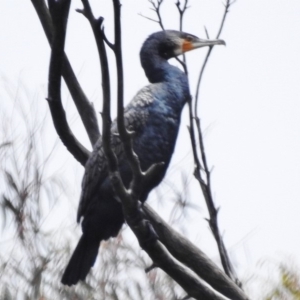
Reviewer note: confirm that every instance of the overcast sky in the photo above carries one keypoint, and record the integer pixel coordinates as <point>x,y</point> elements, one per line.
<point>249,107</point>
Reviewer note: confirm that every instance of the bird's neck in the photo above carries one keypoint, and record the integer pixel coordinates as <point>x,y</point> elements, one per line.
<point>157,69</point>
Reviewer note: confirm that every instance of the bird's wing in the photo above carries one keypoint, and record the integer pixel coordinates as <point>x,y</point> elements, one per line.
<point>135,116</point>
<point>95,173</point>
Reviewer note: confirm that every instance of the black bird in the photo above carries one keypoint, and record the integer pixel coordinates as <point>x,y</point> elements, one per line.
<point>154,116</point>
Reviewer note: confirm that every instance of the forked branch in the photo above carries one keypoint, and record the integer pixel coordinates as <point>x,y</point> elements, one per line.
<point>59,12</point>
<point>84,107</point>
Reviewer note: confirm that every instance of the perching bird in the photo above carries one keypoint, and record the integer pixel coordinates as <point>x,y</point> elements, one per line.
<point>154,116</point>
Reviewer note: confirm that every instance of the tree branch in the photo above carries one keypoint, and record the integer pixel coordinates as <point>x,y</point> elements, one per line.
<point>227,6</point>
<point>188,254</point>
<point>181,15</point>
<point>84,107</point>
<point>181,12</point>
<point>156,8</point>
<point>206,184</point>
<point>59,11</point>
<point>126,137</point>
<point>99,37</point>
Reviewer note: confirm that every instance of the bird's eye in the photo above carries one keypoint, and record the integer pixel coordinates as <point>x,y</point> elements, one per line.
<point>189,38</point>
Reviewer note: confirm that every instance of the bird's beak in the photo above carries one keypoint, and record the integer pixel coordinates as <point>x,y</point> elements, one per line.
<point>198,43</point>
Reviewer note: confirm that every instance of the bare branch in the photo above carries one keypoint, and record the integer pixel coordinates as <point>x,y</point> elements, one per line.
<point>59,11</point>
<point>200,79</point>
<point>126,137</point>
<point>99,37</point>
<point>84,107</point>
<point>156,7</point>
<point>108,43</point>
<point>181,15</point>
<point>206,185</point>
<point>213,212</point>
<point>188,254</point>
<point>193,141</point>
<point>150,19</point>
<point>181,12</point>
<point>106,118</point>
<point>88,14</point>
<point>227,6</point>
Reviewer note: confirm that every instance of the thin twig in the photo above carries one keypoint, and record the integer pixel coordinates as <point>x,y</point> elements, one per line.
<point>227,6</point>
<point>193,140</point>
<point>213,212</point>
<point>150,19</point>
<point>181,15</point>
<point>181,12</point>
<point>156,8</point>
<point>108,43</point>
<point>206,185</point>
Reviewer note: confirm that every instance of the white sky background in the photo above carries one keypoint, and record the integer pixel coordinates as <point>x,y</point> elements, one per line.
<point>249,107</point>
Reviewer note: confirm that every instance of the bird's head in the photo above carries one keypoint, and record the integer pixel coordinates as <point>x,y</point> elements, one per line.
<point>163,45</point>
<point>172,43</point>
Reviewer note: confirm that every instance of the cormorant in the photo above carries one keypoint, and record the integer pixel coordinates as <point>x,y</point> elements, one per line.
<point>154,116</point>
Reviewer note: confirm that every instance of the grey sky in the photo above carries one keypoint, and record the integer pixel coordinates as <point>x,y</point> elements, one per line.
<point>249,106</point>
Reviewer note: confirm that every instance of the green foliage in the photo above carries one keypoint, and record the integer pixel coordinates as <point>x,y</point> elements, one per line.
<point>288,287</point>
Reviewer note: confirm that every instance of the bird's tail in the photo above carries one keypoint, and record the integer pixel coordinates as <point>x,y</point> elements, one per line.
<point>81,261</point>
